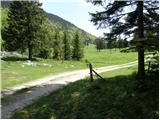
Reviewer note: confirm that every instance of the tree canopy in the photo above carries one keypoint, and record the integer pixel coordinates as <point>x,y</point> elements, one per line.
<point>122,17</point>
<point>25,19</point>
<point>128,19</point>
<point>77,52</point>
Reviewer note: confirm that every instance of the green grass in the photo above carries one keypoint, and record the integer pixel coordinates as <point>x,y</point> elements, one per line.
<point>108,57</point>
<point>14,74</point>
<point>119,96</point>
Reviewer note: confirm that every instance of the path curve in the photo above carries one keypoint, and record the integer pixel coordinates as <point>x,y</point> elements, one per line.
<point>44,86</point>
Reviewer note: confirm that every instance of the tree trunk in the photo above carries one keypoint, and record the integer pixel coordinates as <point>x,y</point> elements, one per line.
<point>141,71</point>
<point>30,52</point>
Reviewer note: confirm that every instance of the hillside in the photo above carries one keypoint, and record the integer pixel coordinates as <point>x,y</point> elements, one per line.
<point>64,24</point>
<point>54,18</point>
<point>56,21</point>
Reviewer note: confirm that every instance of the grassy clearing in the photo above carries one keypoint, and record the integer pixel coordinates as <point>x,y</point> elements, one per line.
<point>108,57</point>
<point>13,72</point>
<point>116,97</point>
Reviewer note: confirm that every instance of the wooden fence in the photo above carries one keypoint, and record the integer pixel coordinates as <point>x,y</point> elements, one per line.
<point>93,71</point>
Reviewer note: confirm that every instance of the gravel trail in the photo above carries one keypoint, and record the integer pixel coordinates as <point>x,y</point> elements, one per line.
<point>44,86</point>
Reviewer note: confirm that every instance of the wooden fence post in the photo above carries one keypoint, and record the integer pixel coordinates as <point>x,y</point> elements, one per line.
<point>91,74</point>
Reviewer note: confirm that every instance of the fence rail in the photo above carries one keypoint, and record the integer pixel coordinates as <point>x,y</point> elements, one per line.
<point>91,73</point>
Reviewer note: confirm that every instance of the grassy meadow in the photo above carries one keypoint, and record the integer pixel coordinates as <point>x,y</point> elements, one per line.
<point>118,97</point>
<point>15,73</point>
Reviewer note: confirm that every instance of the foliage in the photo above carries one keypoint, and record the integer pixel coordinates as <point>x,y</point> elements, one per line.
<point>153,59</point>
<point>61,24</point>
<point>4,23</point>
<point>122,43</point>
<point>57,46</point>
<point>77,52</point>
<point>131,23</point>
<point>114,13</point>
<point>65,25</point>
<point>5,4</point>
<point>105,43</point>
<point>24,26</point>
<point>4,12</point>
<point>46,34</point>
<point>100,44</point>
<point>11,33</point>
<point>44,53</point>
<point>66,47</point>
<point>46,44</point>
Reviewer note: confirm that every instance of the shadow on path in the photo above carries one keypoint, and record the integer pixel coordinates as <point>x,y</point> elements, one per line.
<point>25,97</point>
<point>116,97</point>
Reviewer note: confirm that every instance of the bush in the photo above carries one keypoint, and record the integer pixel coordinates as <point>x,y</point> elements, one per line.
<point>44,53</point>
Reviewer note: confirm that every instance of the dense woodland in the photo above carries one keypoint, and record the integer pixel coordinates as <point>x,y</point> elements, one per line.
<point>54,37</point>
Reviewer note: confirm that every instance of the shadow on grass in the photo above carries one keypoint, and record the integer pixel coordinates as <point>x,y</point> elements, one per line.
<point>14,59</point>
<point>117,97</point>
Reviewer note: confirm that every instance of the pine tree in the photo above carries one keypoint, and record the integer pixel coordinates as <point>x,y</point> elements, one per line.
<point>135,22</point>
<point>100,44</point>
<point>14,34</point>
<point>35,18</point>
<point>24,26</point>
<point>77,52</point>
<point>57,46</point>
<point>66,47</point>
<point>44,51</point>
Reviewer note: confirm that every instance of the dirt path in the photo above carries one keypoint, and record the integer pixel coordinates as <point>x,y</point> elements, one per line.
<point>44,86</point>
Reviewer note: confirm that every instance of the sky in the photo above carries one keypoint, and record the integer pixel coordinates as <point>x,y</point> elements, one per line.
<point>76,12</point>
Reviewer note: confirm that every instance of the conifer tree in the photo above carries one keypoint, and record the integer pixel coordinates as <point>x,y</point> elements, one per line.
<point>66,47</point>
<point>77,52</point>
<point>24,26</point>
<point>44,51</point>
<point>100,44</point>
<point>57,46</point>
<point>142,16</point>
<point>14,34</point>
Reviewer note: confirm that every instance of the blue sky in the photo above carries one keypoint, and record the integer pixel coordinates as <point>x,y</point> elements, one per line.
<point>75,11</point>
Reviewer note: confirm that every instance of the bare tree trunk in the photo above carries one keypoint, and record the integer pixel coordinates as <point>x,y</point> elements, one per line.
<point>30,52</point>
<point>141,71</point>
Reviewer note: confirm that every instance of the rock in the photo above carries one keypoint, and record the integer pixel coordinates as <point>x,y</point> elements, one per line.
<point>29,63</point>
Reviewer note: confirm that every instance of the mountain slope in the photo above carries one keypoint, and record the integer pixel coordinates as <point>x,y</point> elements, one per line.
<point>54,18</point>
<point>61,23</point>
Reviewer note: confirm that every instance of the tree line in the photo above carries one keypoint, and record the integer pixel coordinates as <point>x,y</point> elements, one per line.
<point>29,31</point>
<point>104,43</point>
